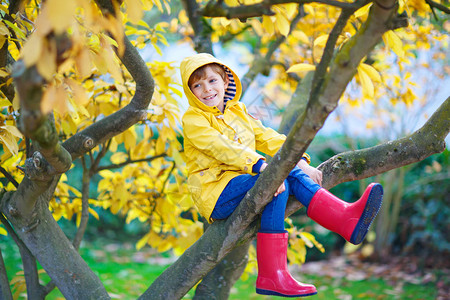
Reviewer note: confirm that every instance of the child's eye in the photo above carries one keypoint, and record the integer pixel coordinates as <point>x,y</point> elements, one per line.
<point>213,80</point>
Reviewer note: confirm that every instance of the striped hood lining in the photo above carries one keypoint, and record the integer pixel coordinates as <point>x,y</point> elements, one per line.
<point>230,92</point>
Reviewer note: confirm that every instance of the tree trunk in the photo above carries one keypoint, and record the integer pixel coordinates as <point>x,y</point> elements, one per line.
<point>46,241</point>
<point>5,290</point>
<point>219,281</point>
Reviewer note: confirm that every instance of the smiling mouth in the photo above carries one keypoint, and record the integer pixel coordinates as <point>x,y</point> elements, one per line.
<point>210,97</point>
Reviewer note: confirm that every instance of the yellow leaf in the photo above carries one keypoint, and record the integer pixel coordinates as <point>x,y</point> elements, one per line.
<point>142,242</point>
<point>134,10</point>
<point>129,137</point>
<point>268,25</point>
<point>14,131</point>
<point>158,4</point>
<point>118,157</point>
<point>366,83</point>
<point>67,129</point>
<point>3,29</point>
<point>232,2</point>
<point>94,213</point>
<point>16,29</point>
<point>46,64</point>
<point>321,40</point>
<point>283,24</point>
<point>394,42</point>
<point>300,35</point>
<point>2,40</point>
<point>9,141</point>
<point>112,65</point>
<point>31,52</point>
<point>3,73</point>
<point>60,14</point>
<point>3,231</point>
<point>257,26</point>
<point>363,11</point>
<point>371,71</point>
<point>83,63</point>
<point>5,102</point>
<point>301,68</point>
<point>16,102</point>
<point>79,93</point>
<point>160,146</point>
<point>48,99</point>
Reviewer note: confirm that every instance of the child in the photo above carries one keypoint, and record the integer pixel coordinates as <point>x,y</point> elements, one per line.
<point>220,144</point>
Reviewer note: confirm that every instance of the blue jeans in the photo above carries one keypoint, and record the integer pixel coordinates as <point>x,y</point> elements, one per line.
<point>272,220</point>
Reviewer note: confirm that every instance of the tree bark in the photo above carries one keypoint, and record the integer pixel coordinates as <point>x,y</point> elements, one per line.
<point>45,239</point>
<point>5,290</point>
<point>218,282</point>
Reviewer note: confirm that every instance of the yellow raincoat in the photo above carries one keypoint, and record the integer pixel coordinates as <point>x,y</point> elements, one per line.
<point>219,147</point>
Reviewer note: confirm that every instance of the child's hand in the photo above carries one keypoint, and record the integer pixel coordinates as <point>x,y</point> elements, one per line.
<point>312,172</point>
<point>282,187</point>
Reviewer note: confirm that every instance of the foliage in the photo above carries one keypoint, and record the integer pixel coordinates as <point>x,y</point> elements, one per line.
<point>425,214</point>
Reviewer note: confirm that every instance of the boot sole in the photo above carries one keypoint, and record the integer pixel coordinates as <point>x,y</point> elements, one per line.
<point>273,293</point>
<point>373,205</point>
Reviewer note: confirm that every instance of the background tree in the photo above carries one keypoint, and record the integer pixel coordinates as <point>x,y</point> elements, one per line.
<point>75,86</point>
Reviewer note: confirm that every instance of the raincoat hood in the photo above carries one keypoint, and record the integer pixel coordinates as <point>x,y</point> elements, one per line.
<point>192,63</point>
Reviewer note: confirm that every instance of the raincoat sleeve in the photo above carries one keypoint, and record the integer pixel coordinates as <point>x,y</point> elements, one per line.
<point>211,142</point>
<point>268,141</point>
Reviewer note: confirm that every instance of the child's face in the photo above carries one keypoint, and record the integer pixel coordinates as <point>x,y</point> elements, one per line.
<point>210,89</point>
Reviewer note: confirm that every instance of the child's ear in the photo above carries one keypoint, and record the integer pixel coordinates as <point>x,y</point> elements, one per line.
<point>227,81</point>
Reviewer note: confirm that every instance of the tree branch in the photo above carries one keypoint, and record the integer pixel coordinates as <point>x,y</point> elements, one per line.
<point>84,207</point>
<point>5,290</point>
<point>202,30</point>
<point>321,69</point>
<point>129,161</point>
<point>242,12</point>
<point>34,289</point>
<point>9,177</point>
<point>263,65</point>
<point>439,6</point>
<point>355,165</point>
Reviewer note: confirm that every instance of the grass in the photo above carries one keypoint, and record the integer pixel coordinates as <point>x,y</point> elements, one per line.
<point>127,273</point>
<point>340,288</point>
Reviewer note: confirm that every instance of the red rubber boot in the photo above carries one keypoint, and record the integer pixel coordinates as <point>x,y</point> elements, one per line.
<point>350,220</point>
<point>273,275</point>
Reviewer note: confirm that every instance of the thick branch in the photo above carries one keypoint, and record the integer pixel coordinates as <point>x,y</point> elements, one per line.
<point>355,165</point>
<point>5,291</point>
<point>242,12</point>
<point>63,264</point>
<point>218,283</point>
<point>202,31</point>
<point>34,289</point>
